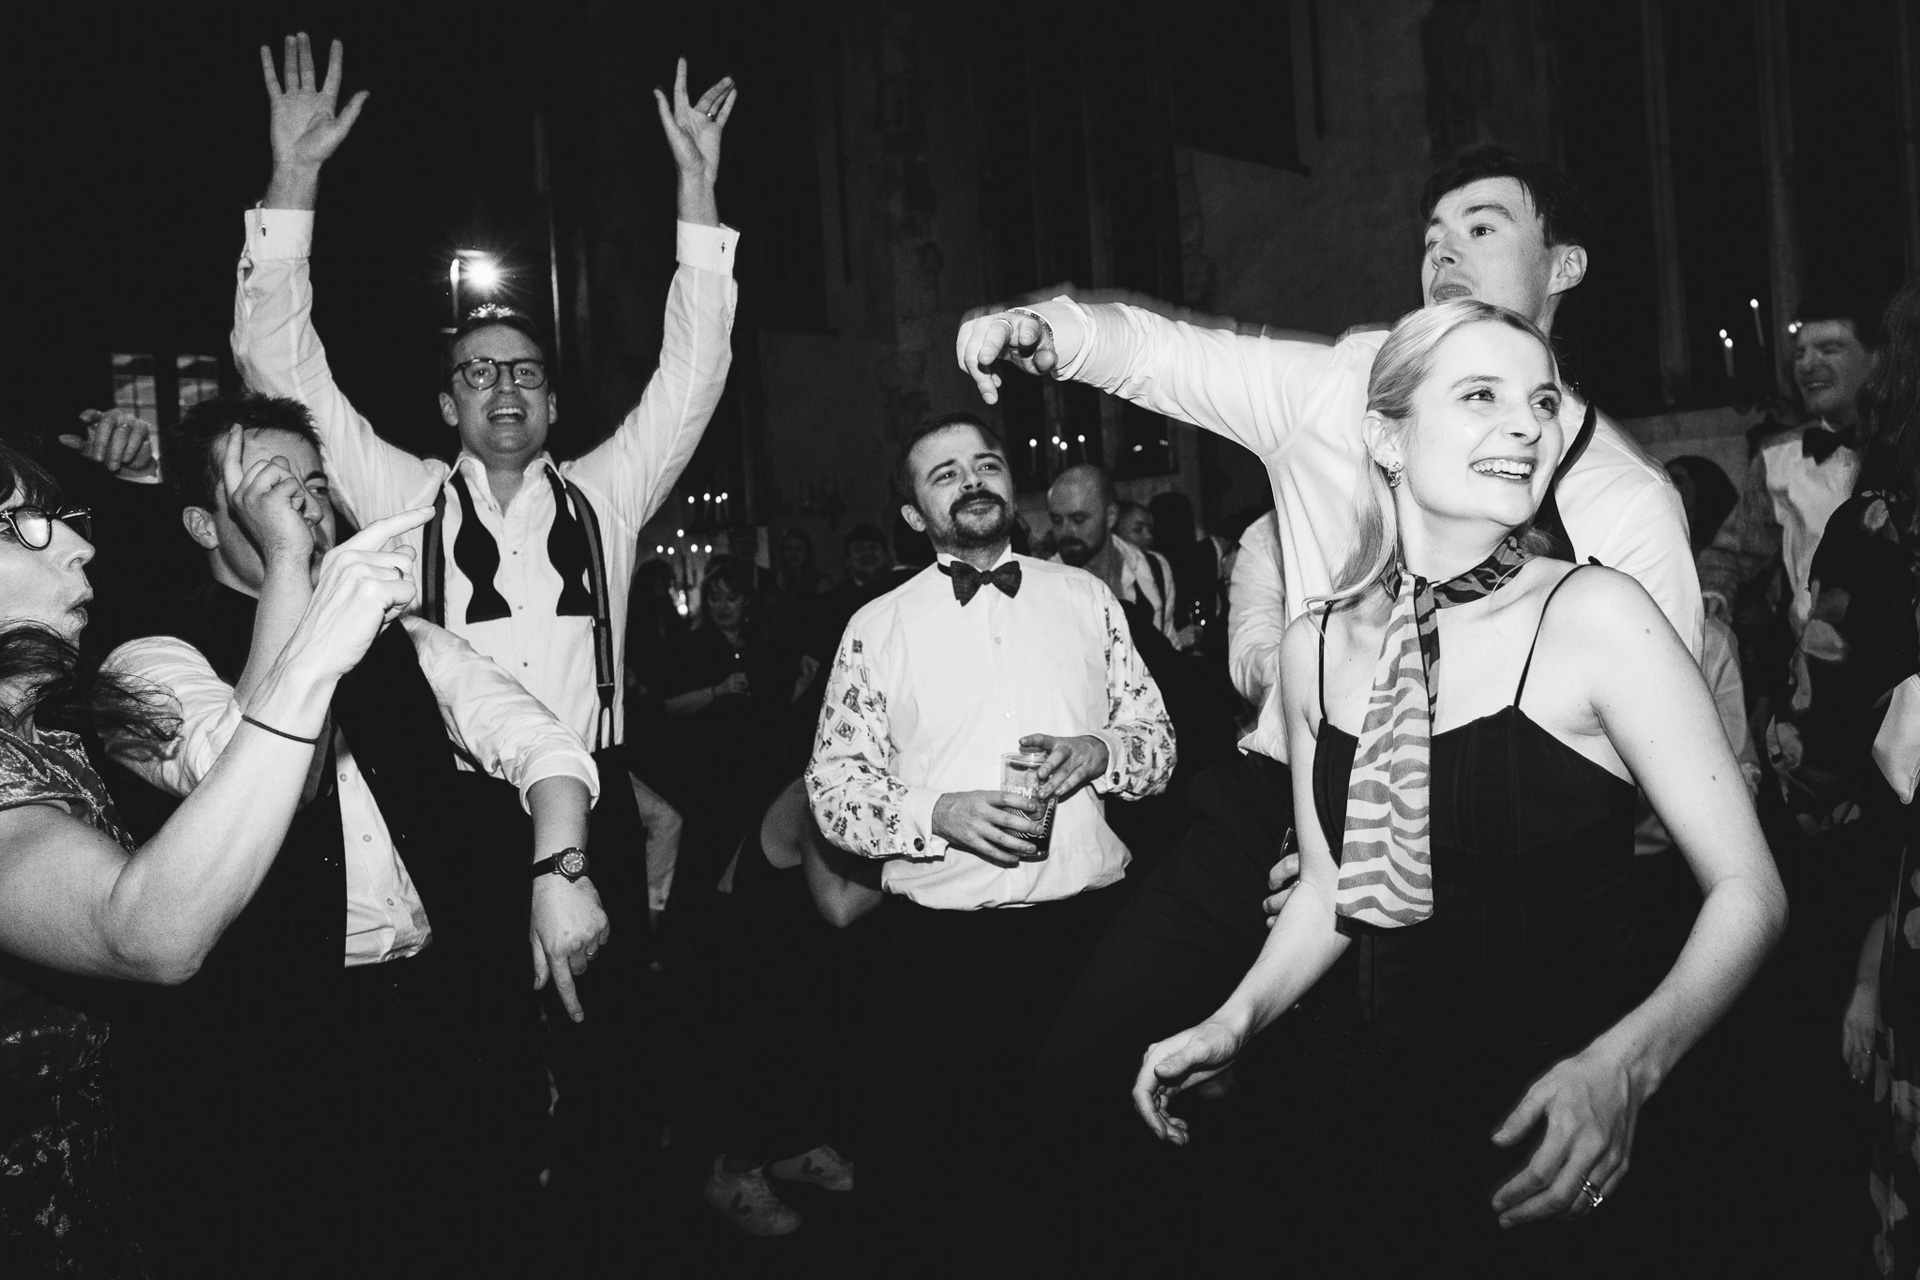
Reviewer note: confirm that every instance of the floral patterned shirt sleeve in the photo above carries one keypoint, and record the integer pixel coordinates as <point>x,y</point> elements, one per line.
<point>858,802</point>
<point>1139,732</point>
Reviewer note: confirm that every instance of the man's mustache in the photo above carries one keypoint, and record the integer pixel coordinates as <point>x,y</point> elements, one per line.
<point>970,499</point>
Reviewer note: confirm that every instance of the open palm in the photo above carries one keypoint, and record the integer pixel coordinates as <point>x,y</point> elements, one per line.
<point>301,120</point>
<point>693,128</point>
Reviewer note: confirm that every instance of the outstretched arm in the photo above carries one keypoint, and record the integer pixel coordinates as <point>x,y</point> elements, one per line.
<point>636,468</point>
<point>1245,386</point>
<point>73,900</point>
<point>274,343</point>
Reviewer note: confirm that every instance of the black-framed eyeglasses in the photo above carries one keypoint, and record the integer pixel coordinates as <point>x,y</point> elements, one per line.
<point>481,373</point>
<point>33,528</point>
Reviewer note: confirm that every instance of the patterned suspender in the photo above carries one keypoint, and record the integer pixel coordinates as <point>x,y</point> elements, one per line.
<point>433,597</point>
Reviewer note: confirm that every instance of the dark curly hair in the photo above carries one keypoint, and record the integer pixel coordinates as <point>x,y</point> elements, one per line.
<point>54,685</point>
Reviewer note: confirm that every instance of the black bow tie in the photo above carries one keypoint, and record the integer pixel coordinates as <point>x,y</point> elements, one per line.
<point>1819,443</point>
<point>968,580</point>
<point>478,556</point>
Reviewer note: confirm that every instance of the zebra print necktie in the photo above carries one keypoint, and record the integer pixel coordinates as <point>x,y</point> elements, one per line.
<point>1386,848</point>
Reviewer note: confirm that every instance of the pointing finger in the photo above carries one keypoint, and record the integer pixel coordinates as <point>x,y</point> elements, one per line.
<point>376,535</point>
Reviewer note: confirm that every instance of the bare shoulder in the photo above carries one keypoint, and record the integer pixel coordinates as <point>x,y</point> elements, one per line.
<point>1604,609</point>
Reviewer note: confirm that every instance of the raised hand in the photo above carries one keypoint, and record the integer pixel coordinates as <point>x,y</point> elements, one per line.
<point>119,440</point>
<point>693,132</point>
<point>302,125</point>
<point>362,586</point>
<point>270,505</point>
<point>1020,338</point>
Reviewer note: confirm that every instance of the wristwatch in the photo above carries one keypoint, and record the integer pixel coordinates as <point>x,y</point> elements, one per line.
<point>571,863</point>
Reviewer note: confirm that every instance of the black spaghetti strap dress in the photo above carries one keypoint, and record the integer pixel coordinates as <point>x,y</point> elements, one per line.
<point>1525,960</point>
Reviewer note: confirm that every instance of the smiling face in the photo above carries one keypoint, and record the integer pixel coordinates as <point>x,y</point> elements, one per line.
<point>962,490</point>
<point>1081,518</point>
<point>506,425</point>
<point>1484,436</point>
<point>1485,240</point>
<point>1830,365</point>
<point>48,586</point>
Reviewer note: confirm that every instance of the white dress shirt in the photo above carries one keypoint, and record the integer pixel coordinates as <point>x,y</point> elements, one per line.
<point>485,711</point>
<point>1786,500</point>
<point>927,694</point>
<point>1300,407</point>
<point>1256,624</point>
<point>625,478</point>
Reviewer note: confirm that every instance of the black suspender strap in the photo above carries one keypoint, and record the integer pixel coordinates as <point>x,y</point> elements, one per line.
<point>433,597</point>
<point>602,616</point>
<point>433,578</point>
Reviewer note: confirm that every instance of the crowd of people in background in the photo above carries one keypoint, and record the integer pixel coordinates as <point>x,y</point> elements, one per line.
<point>957,864</point>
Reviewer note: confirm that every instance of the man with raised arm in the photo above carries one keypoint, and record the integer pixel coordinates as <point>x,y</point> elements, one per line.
<point>1498,228</point>
<point>353,1075</point>
<point>534,558</point>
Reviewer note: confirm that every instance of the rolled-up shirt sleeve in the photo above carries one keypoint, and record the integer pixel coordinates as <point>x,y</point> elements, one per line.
<point>209,713</point>
<point>1256,611</point>
<point>858,802</point>
<point>501,727</point>
<point>1139,732</point>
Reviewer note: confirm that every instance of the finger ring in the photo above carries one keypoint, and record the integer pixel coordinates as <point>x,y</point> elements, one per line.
<point>1594,1198</point>
<point>714,114</point>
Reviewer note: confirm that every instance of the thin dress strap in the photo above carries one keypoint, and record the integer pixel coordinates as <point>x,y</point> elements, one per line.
<point>1325,615</point>
<point>1537,627</point>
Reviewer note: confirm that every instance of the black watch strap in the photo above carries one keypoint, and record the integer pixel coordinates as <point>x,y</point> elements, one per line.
<point>571,863</point>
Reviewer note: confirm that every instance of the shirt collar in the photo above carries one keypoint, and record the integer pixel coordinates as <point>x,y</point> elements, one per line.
<point>476,469</point>
<point>943,557</point>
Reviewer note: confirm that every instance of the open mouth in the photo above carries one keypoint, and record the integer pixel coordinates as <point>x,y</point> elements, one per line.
<point>1448,290</point>
<point>1514,470</point>
<point>507,414</point>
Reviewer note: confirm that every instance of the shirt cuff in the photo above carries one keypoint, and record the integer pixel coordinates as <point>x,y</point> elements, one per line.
<point>1071,369</point>
<point>563,767</point>
<point>707,248</point>
<point>275,234</point>
<point>1110,779</point>
<point>918,841</point>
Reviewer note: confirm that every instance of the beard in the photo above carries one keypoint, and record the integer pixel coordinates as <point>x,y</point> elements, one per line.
<point>1076,552</point>
<point>979,520</point>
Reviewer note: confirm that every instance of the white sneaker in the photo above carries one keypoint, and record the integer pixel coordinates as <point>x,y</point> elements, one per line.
<point>822,1166</point>
<point>749,1202</point>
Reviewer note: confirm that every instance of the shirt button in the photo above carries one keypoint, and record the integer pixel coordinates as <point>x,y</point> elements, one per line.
<point>996,639</point>
<point>390,902</point>
<point>366,839</point>
<point>919,844</point>
<point>343,777</point>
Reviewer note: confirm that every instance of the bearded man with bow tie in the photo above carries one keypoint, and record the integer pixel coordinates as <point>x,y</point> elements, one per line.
<point>979,655</point>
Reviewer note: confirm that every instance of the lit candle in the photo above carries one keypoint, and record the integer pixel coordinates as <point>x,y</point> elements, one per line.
<point>1033,454</point>
<point>1083,447</point>
<point>1726,352</point>
<point>1759,330</point>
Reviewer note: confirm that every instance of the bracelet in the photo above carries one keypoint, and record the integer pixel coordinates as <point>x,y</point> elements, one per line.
<point>290,737</point>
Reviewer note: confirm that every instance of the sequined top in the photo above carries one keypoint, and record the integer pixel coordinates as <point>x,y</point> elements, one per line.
<point>62,1209</point>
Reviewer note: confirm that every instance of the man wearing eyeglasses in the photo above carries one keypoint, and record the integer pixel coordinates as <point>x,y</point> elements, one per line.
<point>532,558</point>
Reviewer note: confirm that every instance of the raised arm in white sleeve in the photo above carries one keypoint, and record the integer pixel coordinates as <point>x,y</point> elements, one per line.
<point>637,466</point>
<point>278,353</point>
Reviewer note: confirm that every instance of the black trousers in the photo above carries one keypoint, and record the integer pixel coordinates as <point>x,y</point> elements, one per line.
<point>383,1128</point>
<point>1101,1184</point>
<point>971,995</point>
<point>605,1119</point>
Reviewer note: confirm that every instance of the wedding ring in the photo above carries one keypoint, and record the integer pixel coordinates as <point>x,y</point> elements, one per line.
<point>1594,1198</point>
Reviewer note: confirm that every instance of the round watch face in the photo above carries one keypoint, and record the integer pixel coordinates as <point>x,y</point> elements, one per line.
<point>572,863</point>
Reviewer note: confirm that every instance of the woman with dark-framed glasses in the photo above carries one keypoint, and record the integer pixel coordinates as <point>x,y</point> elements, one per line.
<point>80,905</point>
